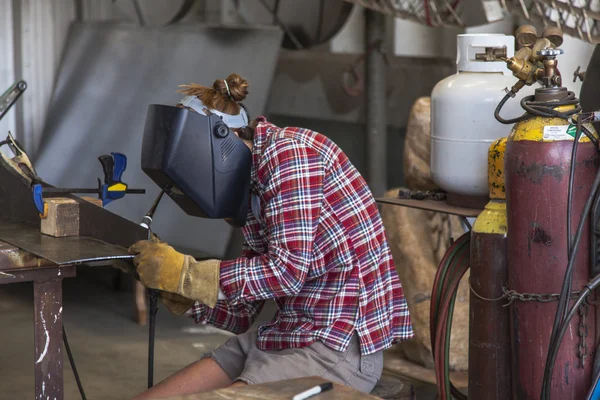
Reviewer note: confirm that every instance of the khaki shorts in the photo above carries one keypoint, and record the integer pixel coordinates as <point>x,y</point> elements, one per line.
<point>243,361</point>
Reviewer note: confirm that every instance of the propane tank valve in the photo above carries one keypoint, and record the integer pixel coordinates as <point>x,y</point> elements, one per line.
<point>492,54</point>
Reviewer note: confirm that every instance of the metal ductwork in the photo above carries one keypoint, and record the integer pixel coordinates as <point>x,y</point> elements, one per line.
<point>438,13</point>
<point>578,18</point>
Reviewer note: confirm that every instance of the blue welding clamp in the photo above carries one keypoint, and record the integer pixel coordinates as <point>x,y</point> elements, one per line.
<point>113,188</point>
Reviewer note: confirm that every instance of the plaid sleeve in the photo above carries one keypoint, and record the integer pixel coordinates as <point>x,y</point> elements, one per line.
<point>291,206</point>
<point>236,318</point>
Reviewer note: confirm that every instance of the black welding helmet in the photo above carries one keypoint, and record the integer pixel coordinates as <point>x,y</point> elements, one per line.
<point>197,159</point>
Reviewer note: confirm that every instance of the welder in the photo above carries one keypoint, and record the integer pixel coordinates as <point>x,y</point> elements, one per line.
<point>314,243</point>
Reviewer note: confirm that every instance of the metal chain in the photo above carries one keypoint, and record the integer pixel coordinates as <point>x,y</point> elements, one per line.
<point>511,295</point>
<point>480,296</point>
<point>583,333</point>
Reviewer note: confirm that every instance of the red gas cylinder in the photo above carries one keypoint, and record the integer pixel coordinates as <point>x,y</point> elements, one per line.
<point>537,167</point>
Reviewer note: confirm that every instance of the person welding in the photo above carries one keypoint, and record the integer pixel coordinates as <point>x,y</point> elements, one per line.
<point>314,243</point>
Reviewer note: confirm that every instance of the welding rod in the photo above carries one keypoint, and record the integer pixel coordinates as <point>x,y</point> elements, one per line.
<point>147,220</point>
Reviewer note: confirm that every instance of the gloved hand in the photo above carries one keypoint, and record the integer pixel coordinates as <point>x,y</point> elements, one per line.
<point>124,265</point>
<point>160,266</point>
<point>175,303</point>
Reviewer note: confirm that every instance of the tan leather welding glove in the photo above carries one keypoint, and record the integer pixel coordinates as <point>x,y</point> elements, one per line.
<point>175,303</point>
<point>124,265</point>
<point>200,281</point>
<point>161,267</point>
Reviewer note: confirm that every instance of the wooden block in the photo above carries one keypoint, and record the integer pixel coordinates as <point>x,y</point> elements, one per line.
<point>93,200</point>
<point>62,219</point>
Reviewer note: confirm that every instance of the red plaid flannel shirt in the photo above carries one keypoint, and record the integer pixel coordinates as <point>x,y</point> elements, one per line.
<point>318,248</point>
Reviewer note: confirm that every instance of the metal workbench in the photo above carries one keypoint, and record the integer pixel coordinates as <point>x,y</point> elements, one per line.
<point>20,266</point>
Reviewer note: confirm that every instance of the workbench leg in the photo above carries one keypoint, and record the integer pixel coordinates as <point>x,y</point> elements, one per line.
<point>47,297</point>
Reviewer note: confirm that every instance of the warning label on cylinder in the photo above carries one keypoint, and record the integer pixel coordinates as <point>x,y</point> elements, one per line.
<point>560,132</point>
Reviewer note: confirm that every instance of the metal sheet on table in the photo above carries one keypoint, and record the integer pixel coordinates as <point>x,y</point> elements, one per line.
<point>109,75</point>
<point>68,250</point>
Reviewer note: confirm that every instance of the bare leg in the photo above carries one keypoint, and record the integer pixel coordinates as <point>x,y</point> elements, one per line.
<point>200,376</point>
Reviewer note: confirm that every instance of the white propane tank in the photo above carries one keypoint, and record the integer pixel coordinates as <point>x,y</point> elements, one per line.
<point>462,118</point>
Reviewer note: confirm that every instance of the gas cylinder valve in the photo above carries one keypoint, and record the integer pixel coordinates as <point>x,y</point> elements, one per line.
<point>524,70</point>
<point>550,52</point>
<point>536,59</point>
<point>551,76</point>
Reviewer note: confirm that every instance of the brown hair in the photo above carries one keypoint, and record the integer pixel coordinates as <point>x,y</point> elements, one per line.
<point>218,98</point>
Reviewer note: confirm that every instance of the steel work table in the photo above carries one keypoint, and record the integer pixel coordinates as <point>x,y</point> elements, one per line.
<point>20,266</point>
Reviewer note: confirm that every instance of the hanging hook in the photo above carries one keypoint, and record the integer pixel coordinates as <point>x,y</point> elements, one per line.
<point>353,82</point>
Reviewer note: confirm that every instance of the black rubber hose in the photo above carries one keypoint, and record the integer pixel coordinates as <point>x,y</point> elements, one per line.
<point>570,192</point>
<point>539,108</point>
<point>72,362</point>
<point>561,309</point>
<point>553,351</point>
<point>565,296</point>
<point>153,306</point>
<point>523,117</point>
<point>590,136</point>
<point>570,207</point>
<point>547,108</point>
<point>467,223</point>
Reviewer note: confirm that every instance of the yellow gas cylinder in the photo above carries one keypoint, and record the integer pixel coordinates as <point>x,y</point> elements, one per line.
<point>489,335</point>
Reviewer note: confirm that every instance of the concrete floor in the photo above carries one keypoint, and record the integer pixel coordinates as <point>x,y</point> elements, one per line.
<point>109,348</point>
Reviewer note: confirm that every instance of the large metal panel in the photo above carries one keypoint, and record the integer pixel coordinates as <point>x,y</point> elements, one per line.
<point>110,74</point>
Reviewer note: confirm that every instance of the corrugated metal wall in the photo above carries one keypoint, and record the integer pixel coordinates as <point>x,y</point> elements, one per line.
<point>7,72</point>
<point>32,35</point>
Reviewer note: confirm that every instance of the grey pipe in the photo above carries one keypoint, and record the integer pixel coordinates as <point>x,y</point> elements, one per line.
<point>376,103</point>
